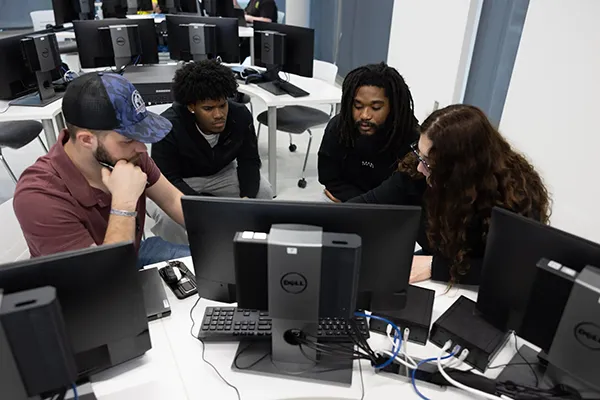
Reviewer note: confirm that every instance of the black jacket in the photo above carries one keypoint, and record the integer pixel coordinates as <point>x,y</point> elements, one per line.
<point>184,153</point>
<point>262,8</point>
<point>347,172</point>
<point>400,189</point>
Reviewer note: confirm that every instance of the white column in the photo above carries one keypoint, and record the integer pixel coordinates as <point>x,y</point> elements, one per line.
<point>416,30</point>
<point>297,12</point>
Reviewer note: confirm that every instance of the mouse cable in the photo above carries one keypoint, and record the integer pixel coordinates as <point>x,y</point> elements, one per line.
<point>237,392</point>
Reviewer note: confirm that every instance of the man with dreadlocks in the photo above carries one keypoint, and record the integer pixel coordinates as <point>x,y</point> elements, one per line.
<point>363,144</point>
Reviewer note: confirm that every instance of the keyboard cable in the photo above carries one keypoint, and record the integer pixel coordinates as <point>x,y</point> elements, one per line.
<point>237,392</point>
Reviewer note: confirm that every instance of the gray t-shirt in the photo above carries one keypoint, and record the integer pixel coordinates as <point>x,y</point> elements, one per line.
<point>211,139</point>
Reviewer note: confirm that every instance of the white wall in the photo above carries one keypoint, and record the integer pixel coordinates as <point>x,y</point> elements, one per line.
<point>431,44</point>
<point>297,12</point>
<point>552,107</point>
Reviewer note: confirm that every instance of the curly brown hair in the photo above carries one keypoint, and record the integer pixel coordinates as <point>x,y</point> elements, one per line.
<point>473,169</point>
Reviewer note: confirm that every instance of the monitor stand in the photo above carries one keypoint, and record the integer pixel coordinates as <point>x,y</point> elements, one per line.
<point>34,100</point>
<point>254,356</point>
<point>272,87</point>
<point>272,83</point>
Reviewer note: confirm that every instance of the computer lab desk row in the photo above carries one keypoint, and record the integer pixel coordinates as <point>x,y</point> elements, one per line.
<point>173,369</point>
<point>320,91</point>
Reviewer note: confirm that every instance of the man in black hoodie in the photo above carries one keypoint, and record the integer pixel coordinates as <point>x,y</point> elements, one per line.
<point>363,144</point>
<point>212,148</point>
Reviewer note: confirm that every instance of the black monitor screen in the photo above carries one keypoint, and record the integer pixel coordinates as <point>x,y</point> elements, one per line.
<point>299,47</point>
<point>92,53</point>
<point>100,294</point>
<point>388,235</point>
<point>15,78</point>
<point>219,8</point>
<point>227,37</point>
<point>515,244</point>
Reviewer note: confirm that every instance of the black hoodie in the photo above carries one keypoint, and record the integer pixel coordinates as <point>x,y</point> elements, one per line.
<point>184,153</point>
<point>347,172</point>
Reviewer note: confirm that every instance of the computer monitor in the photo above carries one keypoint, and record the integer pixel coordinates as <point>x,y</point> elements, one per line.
<point>283,48</point>
<point>114,8</point>
<point>72,10</point>
<point>219,8</point>
<point>190,6</point>
<point>142,5</point>
<point>101,297</point>
<point>169,6</point>
<point>16,78</point>
<point>95,52</point>
<point>42,57</point>
<point>388,236</point>
<point>224,45</point>
<point>515,245</point>
<point>75,10</point>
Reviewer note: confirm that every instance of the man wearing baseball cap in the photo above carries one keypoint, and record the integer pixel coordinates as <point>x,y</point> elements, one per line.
<point>90,189</point>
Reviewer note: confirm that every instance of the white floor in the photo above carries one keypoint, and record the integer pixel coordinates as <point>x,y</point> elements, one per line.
<point>289,164</point>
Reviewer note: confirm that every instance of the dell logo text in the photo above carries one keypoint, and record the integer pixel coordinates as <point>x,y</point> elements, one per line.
<point>293,283</point>
<point>588,334</point>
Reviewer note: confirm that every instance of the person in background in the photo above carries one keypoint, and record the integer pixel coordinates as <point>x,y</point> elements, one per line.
<point>362,145</point>
<point>212,148</point>
<point>91,187</point>
<point>156,7</point>
<point>260,10</point>
<point>461,167</point>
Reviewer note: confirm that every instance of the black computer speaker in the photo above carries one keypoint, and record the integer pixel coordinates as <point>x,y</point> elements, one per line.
<point>35,331</point>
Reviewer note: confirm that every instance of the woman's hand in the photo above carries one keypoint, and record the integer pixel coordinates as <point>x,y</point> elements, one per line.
<point>421,269</point>
<point>331,197</point>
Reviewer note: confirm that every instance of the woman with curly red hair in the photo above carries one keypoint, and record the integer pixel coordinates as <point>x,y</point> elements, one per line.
<point>460,169</point>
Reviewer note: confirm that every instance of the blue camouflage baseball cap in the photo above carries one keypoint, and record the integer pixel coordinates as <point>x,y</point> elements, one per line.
<point>109,102</point>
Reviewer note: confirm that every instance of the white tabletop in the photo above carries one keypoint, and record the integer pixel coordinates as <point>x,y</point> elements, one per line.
<point>320,91</point>
<point>154,376</point>
<point>158,18</point>
<point>64,35</point>
<point>246,31</point>
<point>21,113</point>
<point>198,380</point>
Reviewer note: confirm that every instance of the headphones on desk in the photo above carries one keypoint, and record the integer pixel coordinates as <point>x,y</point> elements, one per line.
<point>254,78</point>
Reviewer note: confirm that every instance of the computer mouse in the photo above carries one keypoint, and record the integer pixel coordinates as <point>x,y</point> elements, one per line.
<point>170,275</point>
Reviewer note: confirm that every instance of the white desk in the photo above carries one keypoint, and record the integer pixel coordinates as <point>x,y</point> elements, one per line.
<point>50,115</point>
<point>154,376</point>
<point>320,91</point>
<point>158,18</point>
<point>198,380</point>
<point>246,31</point>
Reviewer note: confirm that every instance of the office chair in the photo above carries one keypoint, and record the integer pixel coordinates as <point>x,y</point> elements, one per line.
<point>295,120</point>
<point>16,134</point>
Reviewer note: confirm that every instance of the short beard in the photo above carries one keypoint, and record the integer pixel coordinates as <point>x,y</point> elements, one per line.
<point>102,155</point>
<point>373,125</point>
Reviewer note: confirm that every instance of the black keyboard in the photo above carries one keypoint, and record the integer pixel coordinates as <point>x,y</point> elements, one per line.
<point>231,324</point>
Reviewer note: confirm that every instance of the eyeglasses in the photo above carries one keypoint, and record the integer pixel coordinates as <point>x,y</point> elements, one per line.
<point>415,149</point>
